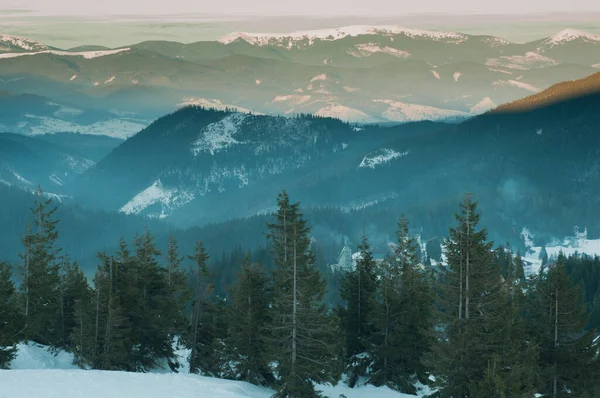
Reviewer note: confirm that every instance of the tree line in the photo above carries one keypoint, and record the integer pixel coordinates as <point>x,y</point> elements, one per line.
<point>477,327</point>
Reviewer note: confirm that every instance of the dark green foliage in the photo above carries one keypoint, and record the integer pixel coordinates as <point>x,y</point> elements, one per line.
<point>40,275</point>
<point>557,322</point>
<point>247,332</point>
<point>303,340</point>
<point>479,317</point>
<point>403,317</point>
<point>358,294</point>
<point>11,317</point>
<point>201,337</point>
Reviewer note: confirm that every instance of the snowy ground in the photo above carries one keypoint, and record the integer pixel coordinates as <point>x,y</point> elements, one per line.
<point>36,373</point>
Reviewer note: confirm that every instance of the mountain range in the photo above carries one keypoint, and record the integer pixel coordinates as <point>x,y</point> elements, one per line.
<point>359,74</point>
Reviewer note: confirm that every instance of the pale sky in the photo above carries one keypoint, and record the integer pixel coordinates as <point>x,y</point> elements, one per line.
<point>297,7</point>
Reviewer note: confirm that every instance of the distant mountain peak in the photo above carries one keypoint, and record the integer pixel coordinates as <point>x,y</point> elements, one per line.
<point>568,35</point>
<point>12,43</point>
<point>289,39</point>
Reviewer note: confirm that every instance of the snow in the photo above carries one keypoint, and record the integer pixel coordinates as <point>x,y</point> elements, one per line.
<point>35,356</point>
<point>20,42</point>
<point>110,80</point>
<point>482,106</point>
<point>568,35</point>
<point>168,199</point>
<point>500,71</point>
<point>568,246</point>
<point>522,62</point>
<point>219,135</point>
<point>56,179</point>
<point>84,54</point>
<point>37,373</point>
<point>368,49</point>
<point>345,113</point>
<point>403,112</point>
<point>436,74</point>
<point>20,178</point>
<point>351,89</point>
<point>118,128</point>
<point>257,82</point>
<point>380,157</point>
<point>456,76</point>
<point>289,40</point>
<point>320,77</point>
<point>73,78</point>
<point>519,84</point>
<point>596,66</point>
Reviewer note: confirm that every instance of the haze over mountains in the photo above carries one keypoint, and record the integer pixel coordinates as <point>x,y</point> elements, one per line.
<point>359,74</point>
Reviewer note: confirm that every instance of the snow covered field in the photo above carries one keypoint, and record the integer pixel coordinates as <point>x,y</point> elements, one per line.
<point>36,373</point>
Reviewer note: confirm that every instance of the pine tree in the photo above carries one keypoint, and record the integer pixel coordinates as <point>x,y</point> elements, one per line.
<point>403,317</point>
<point>179,286</point>
<point>474,305</point>
<point>11,318</point>
<point>73,288</point>
<point>248,318</point>
<point>201,332</point>
<point>153,319</point>
<point>40,274</point>
<point>557,321</point>
<point>358,293</point>
<point>303,331</point>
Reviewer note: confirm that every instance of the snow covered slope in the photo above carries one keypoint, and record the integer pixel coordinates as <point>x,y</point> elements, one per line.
<point>36,373</point>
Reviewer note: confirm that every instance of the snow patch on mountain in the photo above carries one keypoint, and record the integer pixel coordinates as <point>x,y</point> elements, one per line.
<point>20,178</point>
<point>596,66</point>
<point>308,38</point>
<point>522,62</point>
<point>436,74</point>
<point>73,78</point>
<point>9,42</point>
<point>118,128</point>
<point>219,135</point>
<point>405,112</point>
<point>110,80</point>
<point>344,113</point>
<point>368,49</point>
<point>156,194</point>
<point>569,35</point>
<point>84,54</point>
<point>456,76</point>
<point>500,71</point>
<point>381,156</point>
<point>77,165</point>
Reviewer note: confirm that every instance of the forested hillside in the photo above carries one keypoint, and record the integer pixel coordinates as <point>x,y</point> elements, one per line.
<point>475,326</point>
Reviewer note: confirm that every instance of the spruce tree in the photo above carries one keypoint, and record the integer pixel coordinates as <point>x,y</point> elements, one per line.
<point>11,317</point>
<point>403,316</point>
<point>358,293</point>
<point>248,318</point>
<point>200,339</point>
<point>40,275</point>
<point>302,337</point>
<point>475,304</point>
<point>179,287</point>
<point>557,321</point>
